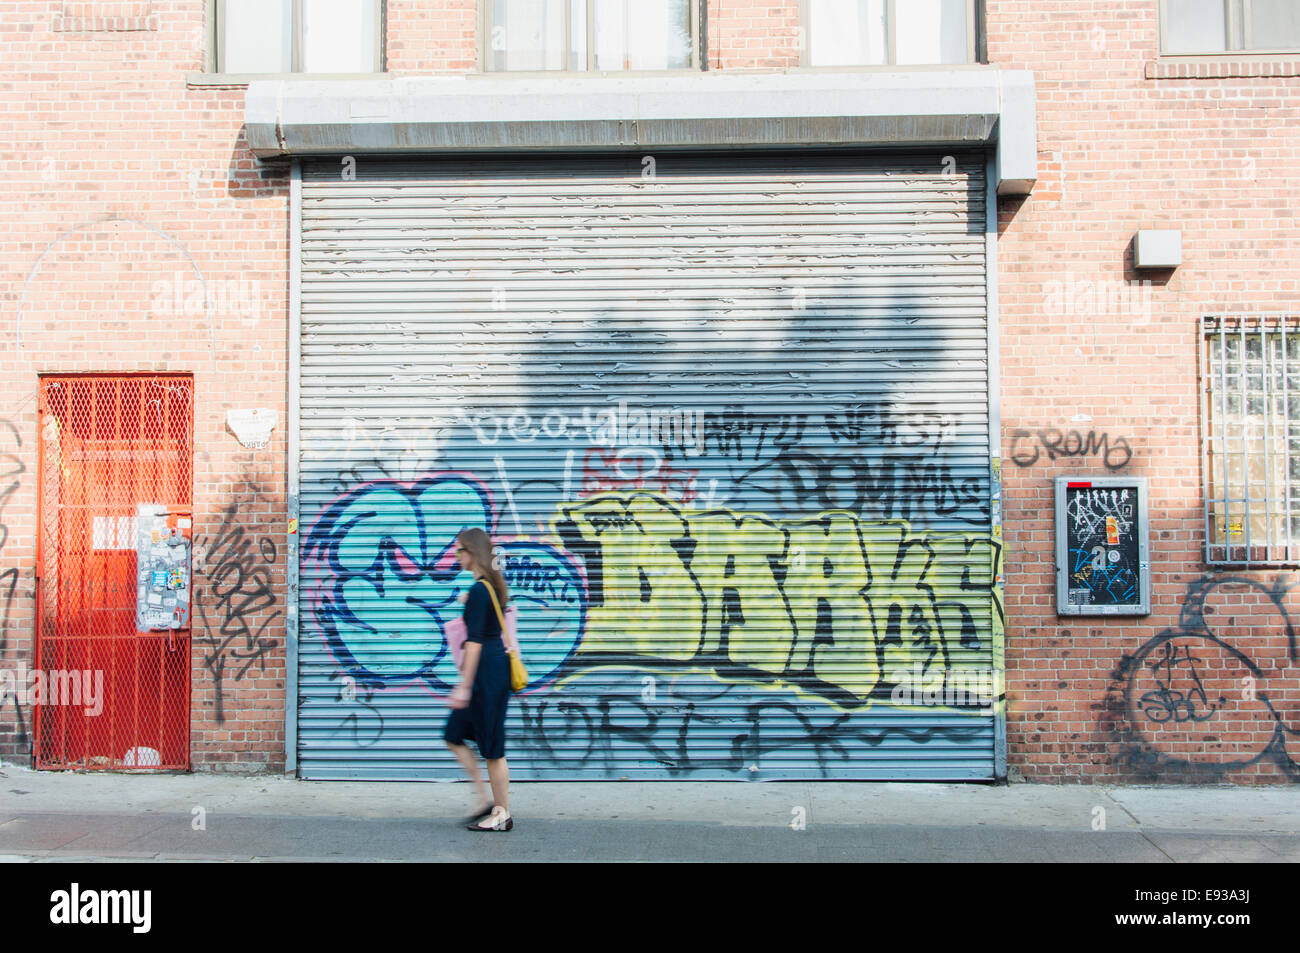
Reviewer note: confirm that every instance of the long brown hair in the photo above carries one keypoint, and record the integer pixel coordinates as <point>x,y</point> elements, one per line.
<point>479,545</point>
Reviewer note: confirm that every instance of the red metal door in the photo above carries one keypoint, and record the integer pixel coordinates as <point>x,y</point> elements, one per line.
<point>115,698</point>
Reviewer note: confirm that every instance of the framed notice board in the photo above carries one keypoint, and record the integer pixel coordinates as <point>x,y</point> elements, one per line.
<point>1102,560</point>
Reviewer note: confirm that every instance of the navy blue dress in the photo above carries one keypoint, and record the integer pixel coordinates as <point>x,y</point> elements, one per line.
<point>483,721</point>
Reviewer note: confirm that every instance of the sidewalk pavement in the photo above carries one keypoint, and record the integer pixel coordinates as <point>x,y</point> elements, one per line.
<point>64,816</point>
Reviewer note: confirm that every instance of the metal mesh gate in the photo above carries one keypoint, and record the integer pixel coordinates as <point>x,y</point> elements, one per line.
<point>106,695</point>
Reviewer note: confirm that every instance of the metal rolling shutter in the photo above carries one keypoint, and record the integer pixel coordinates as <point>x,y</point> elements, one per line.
<point>727,417</point>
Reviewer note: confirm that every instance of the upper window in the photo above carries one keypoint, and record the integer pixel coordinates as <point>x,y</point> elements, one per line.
<point>298,36</point>
<point>1250,376</point>
<point>590,35</point>
<point>1225,26</point>
<point>889,32</point>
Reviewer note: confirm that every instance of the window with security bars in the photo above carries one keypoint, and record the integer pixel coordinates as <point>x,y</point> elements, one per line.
<point>1250,370</point>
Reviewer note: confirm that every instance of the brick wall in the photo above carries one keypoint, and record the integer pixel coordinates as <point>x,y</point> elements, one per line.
<point>432,36</point>
<point>127,193</point>
<point>121,177</point>
<point>1122,150</point>
<point>752,34</point>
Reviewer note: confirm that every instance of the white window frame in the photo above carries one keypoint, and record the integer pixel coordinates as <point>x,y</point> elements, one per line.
<point>212,65</point>
<point>974,28</point>
<point>1237,19</point>
<point>486,24</point>
<point>1230,508</point>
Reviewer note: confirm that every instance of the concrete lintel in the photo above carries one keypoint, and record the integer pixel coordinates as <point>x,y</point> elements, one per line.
<point>1017,135</point>
<point>942,107</point>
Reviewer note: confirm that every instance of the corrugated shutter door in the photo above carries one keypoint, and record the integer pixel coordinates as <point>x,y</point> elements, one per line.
<point>727,419</point>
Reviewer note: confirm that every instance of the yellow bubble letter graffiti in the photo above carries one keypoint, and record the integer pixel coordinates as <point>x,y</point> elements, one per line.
<point>746,609</point>
<point>637,549</point>
<point>832,612</point>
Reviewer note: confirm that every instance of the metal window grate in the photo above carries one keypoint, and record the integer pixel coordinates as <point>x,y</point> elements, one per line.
<point>1250,394</point>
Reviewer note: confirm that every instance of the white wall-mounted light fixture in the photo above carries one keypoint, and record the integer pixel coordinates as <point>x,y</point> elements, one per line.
<point>1154,248</point>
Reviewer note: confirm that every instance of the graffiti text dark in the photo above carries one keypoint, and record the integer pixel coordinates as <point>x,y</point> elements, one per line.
<point>1028,446</point>
<point>239,589</point>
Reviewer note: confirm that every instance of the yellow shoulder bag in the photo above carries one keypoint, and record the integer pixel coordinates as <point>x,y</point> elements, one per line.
<point>518,674</point>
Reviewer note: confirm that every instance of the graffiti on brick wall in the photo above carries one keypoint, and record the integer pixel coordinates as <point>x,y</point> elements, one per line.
<point>1197,702</point>
<point>238,590</point>
<point>11,471</point>
<point>1028,447</point>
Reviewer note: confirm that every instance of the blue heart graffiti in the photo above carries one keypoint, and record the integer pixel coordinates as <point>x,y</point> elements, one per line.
<point>383,580</point>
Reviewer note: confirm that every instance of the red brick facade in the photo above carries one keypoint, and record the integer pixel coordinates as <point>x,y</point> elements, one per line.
<point>124,182</point>
<point>1121,150</point>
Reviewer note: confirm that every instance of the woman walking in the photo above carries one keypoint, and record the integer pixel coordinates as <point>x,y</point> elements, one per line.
<point>478,701</point>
